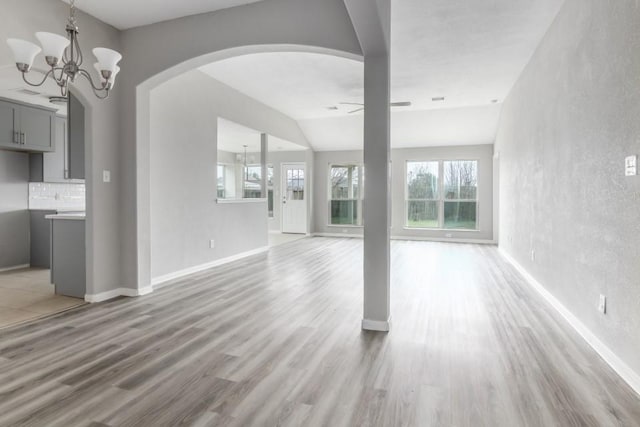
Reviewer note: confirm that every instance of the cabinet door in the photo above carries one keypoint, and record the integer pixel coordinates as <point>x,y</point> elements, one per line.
<point>36,126</point>
<point>75,119</point>
<point>9,114</point>
<point>55,163</point>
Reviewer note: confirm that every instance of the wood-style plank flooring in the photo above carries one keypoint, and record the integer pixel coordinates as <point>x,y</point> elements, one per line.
<point>275,339</point>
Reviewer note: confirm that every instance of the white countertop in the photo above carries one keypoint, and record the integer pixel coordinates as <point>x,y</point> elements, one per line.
<point>76,216</point>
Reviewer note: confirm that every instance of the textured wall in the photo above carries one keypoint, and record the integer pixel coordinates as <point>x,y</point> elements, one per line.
<point>565,130</point>
<point>14,216</point>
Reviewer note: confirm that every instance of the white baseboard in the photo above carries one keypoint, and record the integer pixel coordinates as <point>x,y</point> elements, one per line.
<point>626,373</point>
<point>412,238</point>
<point>160,281</point>
<point>445,239</point>
<point>346,235</point>
<point>376,325</point>
<point>15,267</point>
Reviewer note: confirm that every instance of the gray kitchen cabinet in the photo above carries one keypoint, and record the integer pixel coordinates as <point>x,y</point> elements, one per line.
<point>76,130</point>
<point>26,128</point>
<point>54,166</point>
<point>68,256</point>
<point>40,238</point>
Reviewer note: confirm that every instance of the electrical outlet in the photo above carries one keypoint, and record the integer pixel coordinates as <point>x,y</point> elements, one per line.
<point>106,176</point>
<point>345,231</point>
<point>602,304</point>
<point>448,235</point>
<point>212,244</point>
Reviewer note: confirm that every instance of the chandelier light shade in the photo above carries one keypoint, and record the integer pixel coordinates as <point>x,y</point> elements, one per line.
<point>53,46</point>
<point>64,57</point>
<point>24,52</point>
<point>112,80</point>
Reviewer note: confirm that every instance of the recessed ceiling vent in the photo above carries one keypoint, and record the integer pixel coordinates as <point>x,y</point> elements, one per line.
<point>438,99</point>
<point>28,92</point>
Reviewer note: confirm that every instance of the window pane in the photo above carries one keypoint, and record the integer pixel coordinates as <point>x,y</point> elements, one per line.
<point>270,176</point>
<point>422,214</point>
<point>461,180</point>
<point>295,184</point>
<point>422,180</point>
<point>460,215</point>
<point>270,203</point>
<point>220,184</point>
<point>344,212</point>
<point>339,182</point>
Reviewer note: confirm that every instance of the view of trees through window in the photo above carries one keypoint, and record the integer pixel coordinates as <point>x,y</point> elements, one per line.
<point>442,194</point>
<point>345,186</point>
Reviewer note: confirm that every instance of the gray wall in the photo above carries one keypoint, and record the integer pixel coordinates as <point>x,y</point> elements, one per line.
<point>565,130</point>
<point>184,212</point>
<point>399,157</point>
<point>14,214</point>
<point>21,19</point>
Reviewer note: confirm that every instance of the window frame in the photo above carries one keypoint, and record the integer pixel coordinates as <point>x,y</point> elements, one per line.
<point>441,195</point>
<point>359,200</point>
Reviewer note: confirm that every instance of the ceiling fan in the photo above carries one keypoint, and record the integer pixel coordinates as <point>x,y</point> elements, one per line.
<point>361,105</point>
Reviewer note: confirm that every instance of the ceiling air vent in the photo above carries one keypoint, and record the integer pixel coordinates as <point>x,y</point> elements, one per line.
<point>438,99</point>
<point>28,92</point>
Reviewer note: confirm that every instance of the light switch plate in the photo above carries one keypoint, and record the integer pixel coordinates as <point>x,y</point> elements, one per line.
<point>602,304</point>
<point>631,166</point>
<point>106,176</point>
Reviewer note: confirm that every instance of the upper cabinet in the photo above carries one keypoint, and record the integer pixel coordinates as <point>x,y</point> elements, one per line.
<point>26,128</point>
<point>75,118</point>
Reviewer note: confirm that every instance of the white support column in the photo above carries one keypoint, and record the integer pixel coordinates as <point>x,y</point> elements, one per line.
<point>377,196</point>
<point>372,22</point>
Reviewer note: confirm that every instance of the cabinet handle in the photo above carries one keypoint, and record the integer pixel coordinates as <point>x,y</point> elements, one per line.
<point>24,138</point>
<point>16,137</point>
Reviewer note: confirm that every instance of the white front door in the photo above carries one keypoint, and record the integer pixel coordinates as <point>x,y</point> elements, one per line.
<point>294,198</point>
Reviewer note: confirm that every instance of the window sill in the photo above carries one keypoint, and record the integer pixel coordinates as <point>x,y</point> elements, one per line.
<point>449,230</point>
<point>344,226</point>
<point>239,201</point>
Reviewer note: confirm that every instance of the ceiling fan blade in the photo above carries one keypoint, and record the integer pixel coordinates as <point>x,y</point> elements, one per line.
<point>401,104</point>
<point>356,111</point>
<point>350,103</point>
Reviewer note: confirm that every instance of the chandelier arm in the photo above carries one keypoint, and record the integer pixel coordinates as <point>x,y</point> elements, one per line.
<point>80,57</point>
<point>24,77</point>
<point>87,76</point>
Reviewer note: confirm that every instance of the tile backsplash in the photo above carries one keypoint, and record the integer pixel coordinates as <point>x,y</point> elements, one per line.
<point>44,195</point>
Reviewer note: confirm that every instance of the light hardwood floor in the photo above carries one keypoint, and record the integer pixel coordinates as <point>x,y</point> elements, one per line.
<point>27,294</point>
<point>275,340</point>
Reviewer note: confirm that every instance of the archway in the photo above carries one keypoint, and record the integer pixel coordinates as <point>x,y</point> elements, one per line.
<point>143,139</point>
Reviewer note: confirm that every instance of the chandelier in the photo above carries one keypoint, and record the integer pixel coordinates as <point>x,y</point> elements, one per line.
<point>64,56</point>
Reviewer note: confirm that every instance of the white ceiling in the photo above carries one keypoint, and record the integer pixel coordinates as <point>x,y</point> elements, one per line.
<point>124,14</point>
<point>471,53</point>
<point>232,137</point>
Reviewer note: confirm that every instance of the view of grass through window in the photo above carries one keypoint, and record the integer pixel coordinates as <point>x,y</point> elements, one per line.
<point>345,186</point>
<point>442,194</point>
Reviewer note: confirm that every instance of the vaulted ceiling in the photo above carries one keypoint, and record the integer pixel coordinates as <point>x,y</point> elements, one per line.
<point>124,14</point>
<point>470,53</point>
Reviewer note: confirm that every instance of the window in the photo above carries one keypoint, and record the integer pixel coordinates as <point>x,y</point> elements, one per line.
<point>221,180</point>
<point>270,190</point>
<point>252,181</point>
<point>461,195</point>
<point>295,184</point>
<point>345,194</point>
<point>422,195</point>
<point>442,194</point>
